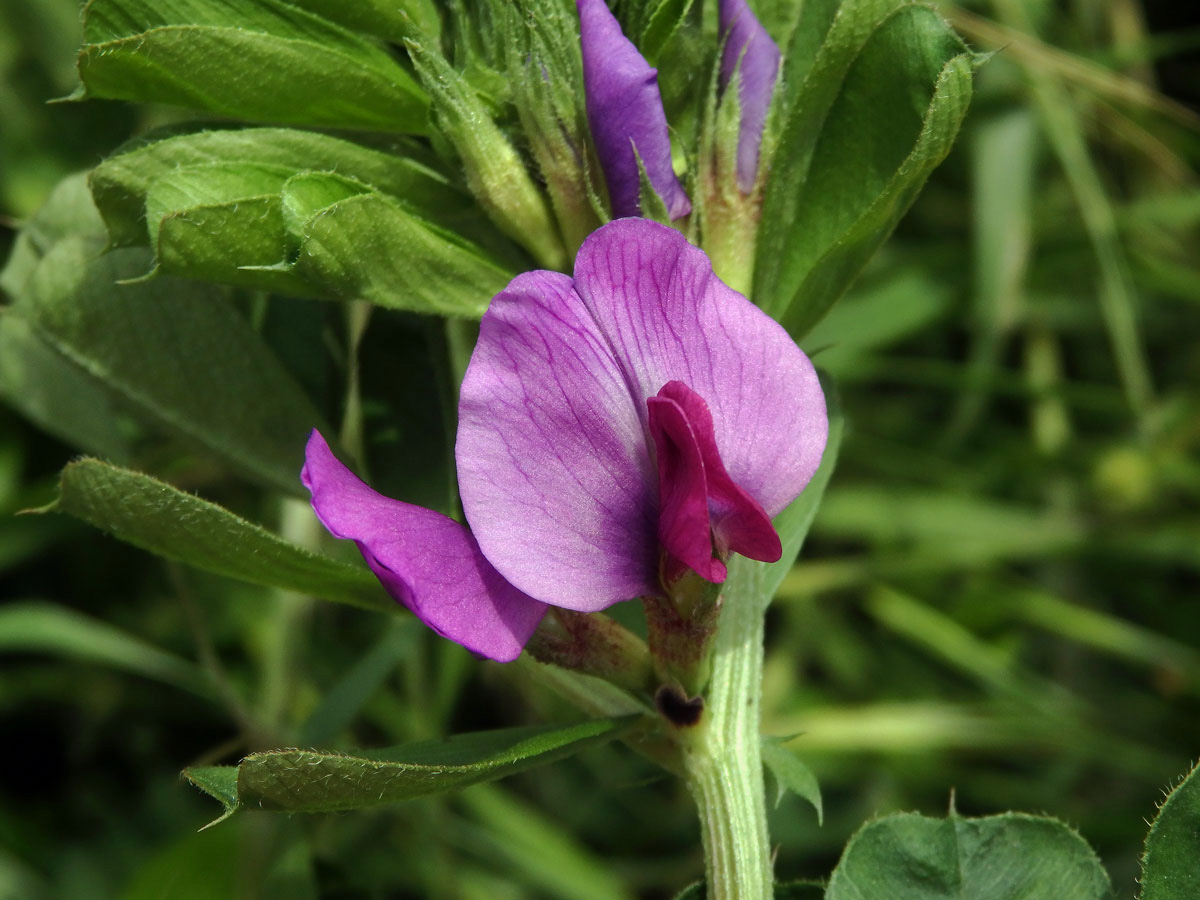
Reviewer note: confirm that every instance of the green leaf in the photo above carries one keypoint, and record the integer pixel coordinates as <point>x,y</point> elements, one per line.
<point>320,781</point>
<point>877,112</point>
<point>35,627</point>
<point>222,222</point>
<point>67,211</point>
<point>177,352</point>
<point>121,183</point>
<point>57,396</point>
<point>370,247</point>
<point>1013,856</point>
<point>248,59</point>
<point>791,774</point>
<point>155,516</point>
<point>1171,863</point>
<point>391,19</point>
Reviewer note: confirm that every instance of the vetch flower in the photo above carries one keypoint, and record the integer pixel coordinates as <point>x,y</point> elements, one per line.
<point>753,56</point>
<point>625,111</point>
<point>616,430</point>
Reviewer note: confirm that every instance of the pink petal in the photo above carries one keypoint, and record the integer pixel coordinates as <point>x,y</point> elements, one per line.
<point>666,317</point>
<point>699,501</point>
<point>553,468</point>
<point>428,562</point>
<point>684,528</point>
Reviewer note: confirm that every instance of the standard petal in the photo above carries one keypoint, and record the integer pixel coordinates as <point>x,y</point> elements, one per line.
<point>624,109</point>
<point>555,477</point>
<point>667,317</point>
<point>428,562</point>
<point>749,51</point>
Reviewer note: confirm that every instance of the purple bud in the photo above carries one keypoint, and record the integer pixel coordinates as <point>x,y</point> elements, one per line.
<point>625,111</point>
<point>751,53</point>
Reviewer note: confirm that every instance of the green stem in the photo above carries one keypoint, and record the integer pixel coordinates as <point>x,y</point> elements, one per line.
<point>722,759</point>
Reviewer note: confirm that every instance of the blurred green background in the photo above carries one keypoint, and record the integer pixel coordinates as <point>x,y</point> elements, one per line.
<point>998,602</point>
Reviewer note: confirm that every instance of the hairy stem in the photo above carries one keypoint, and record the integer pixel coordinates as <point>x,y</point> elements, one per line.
<point>722,759</point>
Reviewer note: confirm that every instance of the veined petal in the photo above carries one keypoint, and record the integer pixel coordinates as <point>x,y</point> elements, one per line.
<point>667,317</point>
<point>751,53</point>
<point>624,109</point>
<point>555,477</point>
<point>428,562</point>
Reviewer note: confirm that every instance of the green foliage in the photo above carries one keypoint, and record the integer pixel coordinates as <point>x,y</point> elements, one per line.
<point>1171,865</point>
<point>660,22</point>
<point>791,774</point>
<point>263,208</point>
<point>282,780</point>
<point>876,113</point>
<point>989,596</point>
<point>1005,857</point>
<point>35,627</point>
<point>176,525</point>
<point>121,183</point>
<point>387,18</point>
<point>260,60</point>
<point>177,352</point>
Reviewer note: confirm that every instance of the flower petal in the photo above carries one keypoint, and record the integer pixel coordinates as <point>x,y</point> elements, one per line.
<point>735,519</point>
<point>624,109</point>
<point>667,317</point>
<point>684,526</point>
<point>428,562</point>
<point>555,477</point>
<point>751,53</point>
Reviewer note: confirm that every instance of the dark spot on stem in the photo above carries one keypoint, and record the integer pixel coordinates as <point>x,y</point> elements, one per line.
<point>677,708</point>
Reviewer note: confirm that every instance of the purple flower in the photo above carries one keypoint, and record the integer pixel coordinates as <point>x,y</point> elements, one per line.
<point>625,111</point>
<point>751,53</point>
<point>616,430</point>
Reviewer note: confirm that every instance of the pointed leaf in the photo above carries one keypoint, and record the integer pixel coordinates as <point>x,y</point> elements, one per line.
<point>1171,863</point>
<point>248,59</point>
<point>321,781</point>
<point>155,516</point>
<point>1006,857</point>
<point>791,774</point>
<point>877,112</point>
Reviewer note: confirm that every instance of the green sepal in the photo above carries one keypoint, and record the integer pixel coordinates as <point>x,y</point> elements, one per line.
<point>494,171</point>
